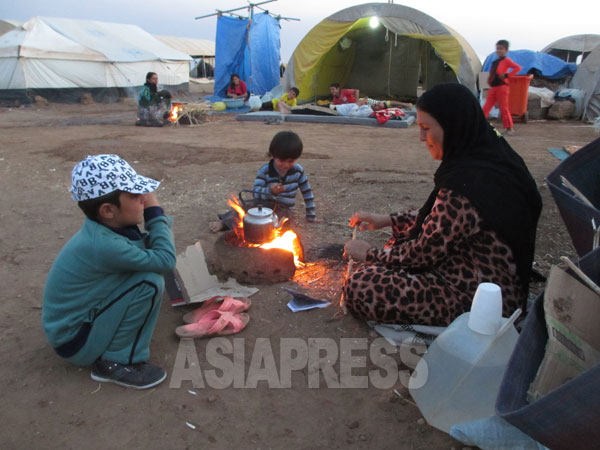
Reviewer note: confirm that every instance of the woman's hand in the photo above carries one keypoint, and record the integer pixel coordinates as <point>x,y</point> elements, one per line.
<point>356,249</point>
<point>369,221</point>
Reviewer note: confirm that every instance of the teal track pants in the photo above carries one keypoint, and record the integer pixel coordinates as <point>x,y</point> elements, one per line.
<point>122,328</point>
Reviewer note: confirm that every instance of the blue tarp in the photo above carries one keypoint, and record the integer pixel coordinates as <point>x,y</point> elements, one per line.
<point>253,55</point>
<point>544,64</point>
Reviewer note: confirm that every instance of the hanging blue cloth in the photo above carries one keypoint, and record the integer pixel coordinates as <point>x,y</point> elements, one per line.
<point>231,44</point>
<point>254,55</point>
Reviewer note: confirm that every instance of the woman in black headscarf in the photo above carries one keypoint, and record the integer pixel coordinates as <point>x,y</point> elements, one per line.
<point>153,105</point>
<point>478,224</point>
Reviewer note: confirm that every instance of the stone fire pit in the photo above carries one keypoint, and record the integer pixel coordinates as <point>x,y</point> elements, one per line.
<point>250,265</point>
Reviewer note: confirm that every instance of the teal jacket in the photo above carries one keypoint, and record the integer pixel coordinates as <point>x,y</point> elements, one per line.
<point>94,266</point>
<point>148,98</point>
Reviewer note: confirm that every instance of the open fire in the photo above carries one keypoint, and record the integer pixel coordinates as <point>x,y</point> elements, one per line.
<point>174,113</point>
<point>285,239</point>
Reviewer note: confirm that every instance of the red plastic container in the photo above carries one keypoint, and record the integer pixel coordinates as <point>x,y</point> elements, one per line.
<point>517,99</point>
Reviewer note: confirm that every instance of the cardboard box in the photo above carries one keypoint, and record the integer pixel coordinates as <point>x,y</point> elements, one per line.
<point>572,313</point>
<point>195,282</point>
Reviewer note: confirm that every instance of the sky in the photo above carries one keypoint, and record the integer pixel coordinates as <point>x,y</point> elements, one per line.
<point>526,24</point>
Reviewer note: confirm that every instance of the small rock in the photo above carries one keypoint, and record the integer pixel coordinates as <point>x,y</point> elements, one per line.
<point>421,421</point>
<point>87,99</point>
<point>128,101</point>
<point>212,398</point>
<point>353,425</point>
<point>39,100</point>
<point>363,437</point>
<point>562,109</point>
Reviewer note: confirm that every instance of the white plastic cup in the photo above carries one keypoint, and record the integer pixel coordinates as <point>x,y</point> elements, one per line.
<point>486,310</point>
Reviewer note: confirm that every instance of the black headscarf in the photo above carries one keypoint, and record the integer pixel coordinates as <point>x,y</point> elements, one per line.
<point>153,88</point>
<point>479,164</point>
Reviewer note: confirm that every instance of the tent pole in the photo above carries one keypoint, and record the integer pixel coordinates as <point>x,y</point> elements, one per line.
<point>389,71</point>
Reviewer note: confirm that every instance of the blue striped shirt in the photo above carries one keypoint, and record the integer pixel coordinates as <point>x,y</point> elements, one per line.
<point>293,180</point>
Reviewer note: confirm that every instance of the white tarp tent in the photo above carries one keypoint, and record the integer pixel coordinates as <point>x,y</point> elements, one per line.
<point>570,47</point>
<point>65,54</point>
<point>587,78</point>
<point>8,25</point>
<point>196,48</point>
<point>202,50</point>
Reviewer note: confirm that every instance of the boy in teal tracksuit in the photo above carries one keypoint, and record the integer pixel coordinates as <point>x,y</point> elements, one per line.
<point>104,290</point>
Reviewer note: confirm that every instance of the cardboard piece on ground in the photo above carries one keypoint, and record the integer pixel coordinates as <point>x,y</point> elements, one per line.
<point>571,310</point>
<point>197,284</point>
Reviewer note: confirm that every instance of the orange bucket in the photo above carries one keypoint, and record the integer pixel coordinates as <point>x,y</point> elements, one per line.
<point>517,99</point>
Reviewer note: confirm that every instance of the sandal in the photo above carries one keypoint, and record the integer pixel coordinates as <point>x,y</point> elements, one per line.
<point>214,323</point>
<point>228,304</point>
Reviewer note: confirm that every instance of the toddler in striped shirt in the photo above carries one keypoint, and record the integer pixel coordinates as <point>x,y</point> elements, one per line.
<point>279,179</point>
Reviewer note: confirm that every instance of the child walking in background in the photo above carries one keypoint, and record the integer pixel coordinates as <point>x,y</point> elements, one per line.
<point>104,290</point>
<point>279,180</point>
<point>499,88</point>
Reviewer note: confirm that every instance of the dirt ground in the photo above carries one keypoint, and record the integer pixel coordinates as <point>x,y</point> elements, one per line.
<point>47,403</point>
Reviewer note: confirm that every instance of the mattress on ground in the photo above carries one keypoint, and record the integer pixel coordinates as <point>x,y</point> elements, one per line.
<point>260,116</point>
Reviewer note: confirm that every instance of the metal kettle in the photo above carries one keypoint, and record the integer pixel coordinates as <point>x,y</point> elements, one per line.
<point>259,225</point>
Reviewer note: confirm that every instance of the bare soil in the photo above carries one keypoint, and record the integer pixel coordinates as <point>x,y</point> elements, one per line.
<point>47,403</point>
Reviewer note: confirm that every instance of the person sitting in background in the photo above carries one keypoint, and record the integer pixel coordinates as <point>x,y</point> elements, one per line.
<point>478,224</point>
<point>154,105</point>
<point>283,104</point>
<point>237,88</point>
<point>342,96</point>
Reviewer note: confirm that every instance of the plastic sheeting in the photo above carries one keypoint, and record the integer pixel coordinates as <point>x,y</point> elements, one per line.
<point>546,65</point>
<point>253,54</point>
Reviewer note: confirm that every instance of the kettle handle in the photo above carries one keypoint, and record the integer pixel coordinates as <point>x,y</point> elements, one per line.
<point>244,201</point>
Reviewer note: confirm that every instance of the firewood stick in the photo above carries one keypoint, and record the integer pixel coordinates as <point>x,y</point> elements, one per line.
<point>580,273</point>
<point>350,264</point>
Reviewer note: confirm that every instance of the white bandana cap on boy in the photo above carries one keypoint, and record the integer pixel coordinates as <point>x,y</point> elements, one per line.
<point>99,175</point>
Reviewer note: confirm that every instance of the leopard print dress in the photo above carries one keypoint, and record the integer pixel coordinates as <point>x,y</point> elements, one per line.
<point>431,280</point>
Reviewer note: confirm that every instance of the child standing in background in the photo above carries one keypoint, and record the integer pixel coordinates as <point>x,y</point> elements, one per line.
<point>499,88</point>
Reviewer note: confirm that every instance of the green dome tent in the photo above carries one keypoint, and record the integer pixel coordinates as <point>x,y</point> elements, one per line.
<point>408,46</point>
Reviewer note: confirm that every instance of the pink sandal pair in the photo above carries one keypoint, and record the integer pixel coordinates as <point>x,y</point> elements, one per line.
<point>215,318</point>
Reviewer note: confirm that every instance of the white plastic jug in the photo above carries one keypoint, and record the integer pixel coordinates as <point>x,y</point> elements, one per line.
<point>254,102</point>
<point>458,379</point>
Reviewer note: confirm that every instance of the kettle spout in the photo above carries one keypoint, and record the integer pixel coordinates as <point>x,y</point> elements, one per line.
<point>277,222</point>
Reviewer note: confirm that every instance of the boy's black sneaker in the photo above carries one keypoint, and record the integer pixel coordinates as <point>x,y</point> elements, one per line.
<point>137,376</point>
<point>140,123</point>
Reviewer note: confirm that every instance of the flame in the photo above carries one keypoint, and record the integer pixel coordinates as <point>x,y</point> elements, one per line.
<point>174,113</point>
<point>287,240</point>
<point>238,227</point>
